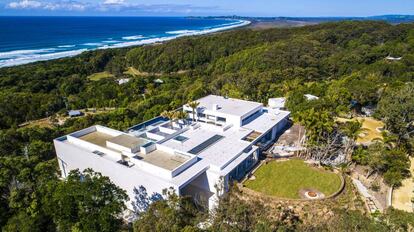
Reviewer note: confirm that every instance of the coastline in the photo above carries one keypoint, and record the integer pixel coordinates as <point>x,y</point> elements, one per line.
<point>242,23</point>
<point>30,56</point>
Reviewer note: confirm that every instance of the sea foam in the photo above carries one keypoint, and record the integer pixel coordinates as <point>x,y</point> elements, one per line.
<point>66,46</point>
<point>17,53</point>
<point>180,33</point>
<point>133,37</point>
<point>25,58</point>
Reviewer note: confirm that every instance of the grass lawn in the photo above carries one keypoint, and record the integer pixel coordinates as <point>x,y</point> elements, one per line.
<point>99,76</point>
<point>286,178</point>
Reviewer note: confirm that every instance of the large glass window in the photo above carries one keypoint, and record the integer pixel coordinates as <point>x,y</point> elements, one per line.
<point>251,117</point>
<point>211,117</point>
<point>221,119</point>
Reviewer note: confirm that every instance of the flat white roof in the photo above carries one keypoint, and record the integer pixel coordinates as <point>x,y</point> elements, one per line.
<point>266,121</point>
<point>218,153</point>
<point>229,106</point>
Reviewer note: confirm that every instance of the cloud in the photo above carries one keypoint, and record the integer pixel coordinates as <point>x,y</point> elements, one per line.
<point>108,5</point>
<point>114,2</point>
<point>121,5</point>
<point>52,6</point>
<point>25,4</point>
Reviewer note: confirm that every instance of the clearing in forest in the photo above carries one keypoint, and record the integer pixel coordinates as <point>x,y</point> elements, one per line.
<point>372,129</point>
<point>100,76</point>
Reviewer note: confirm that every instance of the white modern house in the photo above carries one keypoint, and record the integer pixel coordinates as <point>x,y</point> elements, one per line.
<point>221,145</point>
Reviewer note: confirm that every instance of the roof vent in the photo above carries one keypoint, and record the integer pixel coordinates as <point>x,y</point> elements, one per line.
<point>215,107</point>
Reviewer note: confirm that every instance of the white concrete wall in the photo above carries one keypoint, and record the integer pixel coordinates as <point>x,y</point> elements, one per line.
<point>108,131</point>
<point>230,119</point>
<point>183,166</point>
<point>153,169</point>
<point>121,148</point>
<point>167,130</point>
<point>148,148</point>
<point>91,147</point>
<point>83,131</point>
<point>126,178</point>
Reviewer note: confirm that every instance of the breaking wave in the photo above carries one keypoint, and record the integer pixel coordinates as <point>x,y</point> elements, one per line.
<point>19,57</point>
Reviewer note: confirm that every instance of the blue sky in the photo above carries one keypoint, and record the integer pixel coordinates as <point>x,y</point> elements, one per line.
<point>207,7</point>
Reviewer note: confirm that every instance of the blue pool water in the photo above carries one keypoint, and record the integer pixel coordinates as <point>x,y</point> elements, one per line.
<point>28,39</point>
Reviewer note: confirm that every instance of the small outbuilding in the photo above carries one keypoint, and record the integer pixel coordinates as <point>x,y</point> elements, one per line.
<point>310,97</point>
<point>158,81</point>
<point>393,58</point>
<point>123,81</point>
<point>74,113</point>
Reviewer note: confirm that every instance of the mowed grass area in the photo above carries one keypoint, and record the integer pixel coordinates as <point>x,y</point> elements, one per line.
<point>286,178</point>
<point>99,76</point>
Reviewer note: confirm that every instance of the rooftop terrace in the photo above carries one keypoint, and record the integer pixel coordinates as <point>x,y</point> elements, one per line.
<point>97,138</point>
<point>163,159</point>
<point>138,149</point>
<point>127,141</point>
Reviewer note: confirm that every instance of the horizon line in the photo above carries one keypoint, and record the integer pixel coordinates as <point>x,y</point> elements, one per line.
<point>205,16</point>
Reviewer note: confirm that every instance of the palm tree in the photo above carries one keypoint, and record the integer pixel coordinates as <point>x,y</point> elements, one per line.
<point>353,129</point>
<point>390,140</point>
<point>193,105</point>
<point>180,115</point>
<point>169,115</point>
<point>316,123</point>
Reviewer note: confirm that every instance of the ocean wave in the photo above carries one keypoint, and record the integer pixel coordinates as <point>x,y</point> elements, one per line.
<point>136,43</point>
<point>133,37</point>
<point>26,58</point>
<point>16,53</point>
<point>92,44</point>
<point>178,32</point>
<point>110,41</point>
<point>163,39</point>
<point>66,46</point>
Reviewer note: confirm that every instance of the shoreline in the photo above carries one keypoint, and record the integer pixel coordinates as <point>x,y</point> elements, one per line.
<point>32,57</point>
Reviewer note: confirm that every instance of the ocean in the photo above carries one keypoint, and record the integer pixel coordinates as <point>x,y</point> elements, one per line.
<point>28,39</point>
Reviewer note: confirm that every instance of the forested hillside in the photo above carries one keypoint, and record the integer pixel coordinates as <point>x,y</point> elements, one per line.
<point>230,62</point>
<point>342,63</point>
